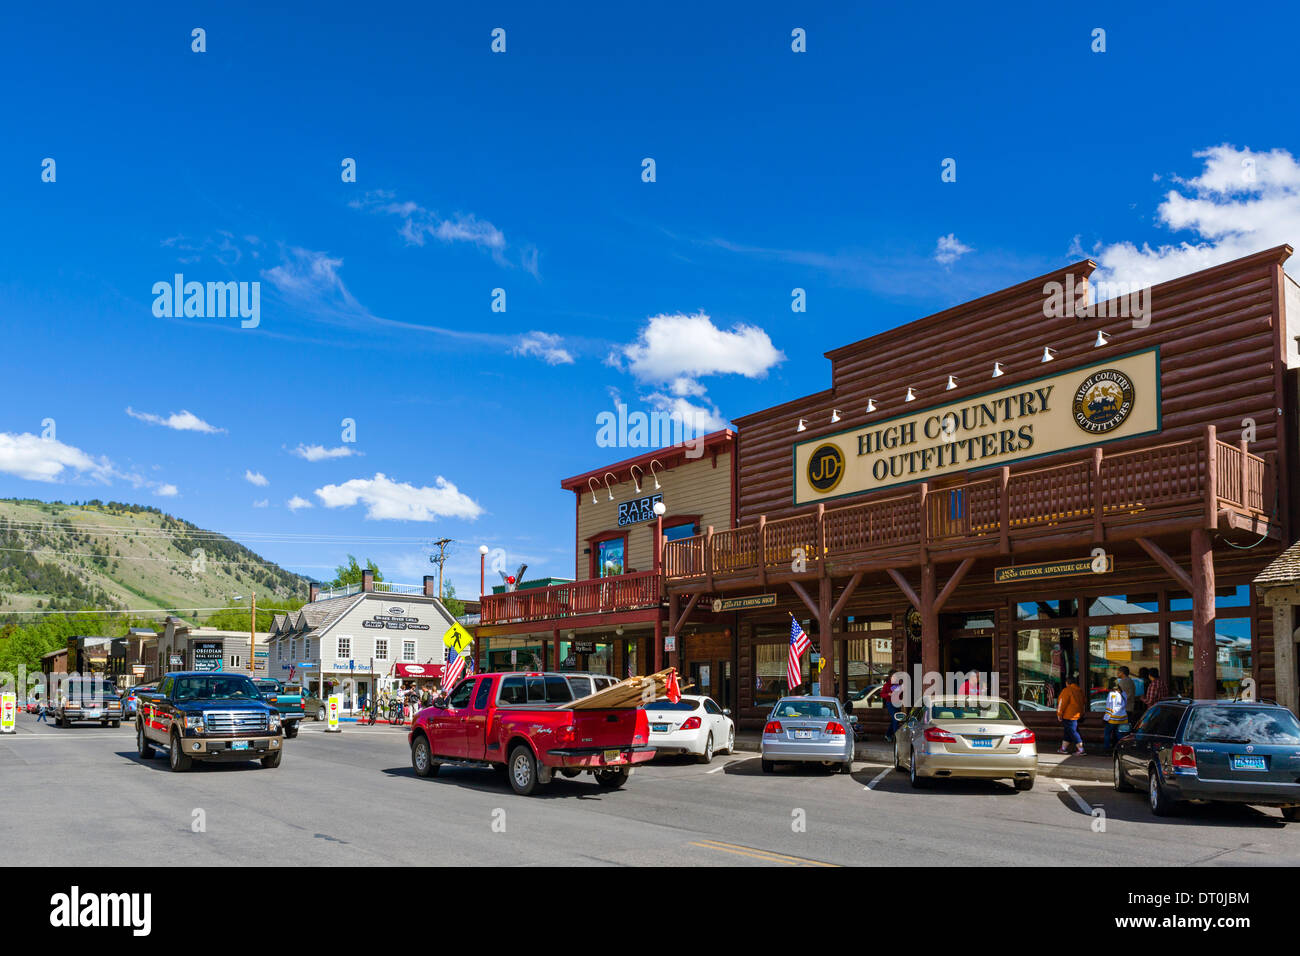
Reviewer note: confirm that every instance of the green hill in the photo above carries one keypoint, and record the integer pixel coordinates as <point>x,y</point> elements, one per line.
<point>109,555</point>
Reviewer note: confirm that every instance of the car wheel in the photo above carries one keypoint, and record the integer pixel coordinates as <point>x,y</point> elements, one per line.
<point>176,757</point>
<point>1291,814</point>
<point>918,782</point>
<point>1121,782</point>
<point>898,757</point>
<point>271,761</point>
<point>731,741</point>
<point>707,756</point>
<point>612,779</point>
<point>767,766</point>
<point>1024,783</point>
<point>523,770</point>
<point>116,724</point>
<point>320,714</point>
<point>1161,804</point>
<point>846,767</point>
<point>142,742</point>
<point>422,761</point>
<point>291,730</point>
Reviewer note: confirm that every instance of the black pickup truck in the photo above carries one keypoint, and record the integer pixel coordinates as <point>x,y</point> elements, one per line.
<point>206,715</point>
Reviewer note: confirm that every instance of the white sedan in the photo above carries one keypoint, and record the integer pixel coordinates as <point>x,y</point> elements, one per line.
<point>693,725</point>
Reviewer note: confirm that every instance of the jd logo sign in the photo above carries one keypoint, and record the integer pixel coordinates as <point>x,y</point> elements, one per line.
<point>825,467</point>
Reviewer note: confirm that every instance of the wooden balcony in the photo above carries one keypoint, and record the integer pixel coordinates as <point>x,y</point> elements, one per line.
<point>623,592</point>
<point>1201,482</point>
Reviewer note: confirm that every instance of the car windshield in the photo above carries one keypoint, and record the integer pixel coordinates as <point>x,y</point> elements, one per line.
<point>682,704</point>
<point>229,687</point>
<point>1246,725</point>
<point>804,708</point>
<point>973,710</point>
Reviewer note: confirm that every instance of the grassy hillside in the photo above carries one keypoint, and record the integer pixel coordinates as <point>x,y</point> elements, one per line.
<point>108,555</point>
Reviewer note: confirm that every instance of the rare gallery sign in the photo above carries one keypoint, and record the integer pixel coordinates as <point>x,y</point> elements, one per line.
<point>1106,401</point>
<point>637,510</point>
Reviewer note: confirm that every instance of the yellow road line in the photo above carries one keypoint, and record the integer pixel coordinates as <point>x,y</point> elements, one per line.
<point>766,856</point>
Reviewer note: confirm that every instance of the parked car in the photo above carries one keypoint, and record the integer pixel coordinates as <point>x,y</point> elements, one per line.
<point>206,715</point>
<point>808,729</point>
<point>529,726</point>
<point>287,700</point>
<point>584,685</point>
<point>968,737</point>
<point>1186,750</point>
<point>131,698</point>
<point>87,698</point>
<point>694,725</point>
<point>312,706</point>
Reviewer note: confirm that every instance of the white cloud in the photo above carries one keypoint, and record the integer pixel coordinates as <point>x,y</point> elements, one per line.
<point>166,491</point>
<point>949,249</point>
<point>296,502</point>
<point>545,346</point>
<point>45,459</point>
<point>321,453</point>
<point>181,421</point>
<point>385,498</point>
<point>1243,201</point>
<point>307,274</point>
<point>264,503</point>
<point>255,478</point>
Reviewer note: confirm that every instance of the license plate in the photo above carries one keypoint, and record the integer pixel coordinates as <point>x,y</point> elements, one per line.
<point>659,728</point>
<point>91,714</point>
<point>612,755</point>
<point>239,745</point>
<point>984,743</point>
<point>1246,762</point>
<point>803,735</point>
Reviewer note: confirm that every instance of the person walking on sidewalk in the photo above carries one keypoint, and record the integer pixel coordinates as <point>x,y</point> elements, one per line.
<point>1155,688</point>
<point>41,713</point>
<point>1116,715</point>
<point>1069,711</point>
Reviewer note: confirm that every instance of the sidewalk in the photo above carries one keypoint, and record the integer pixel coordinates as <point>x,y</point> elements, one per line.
<point>1091,767</point>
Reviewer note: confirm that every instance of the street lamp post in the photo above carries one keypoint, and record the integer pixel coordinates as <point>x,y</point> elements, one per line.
<point>482,570</point>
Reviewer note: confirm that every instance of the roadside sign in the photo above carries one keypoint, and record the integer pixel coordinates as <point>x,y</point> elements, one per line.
<point>8,713</point>
<point>332,714</point>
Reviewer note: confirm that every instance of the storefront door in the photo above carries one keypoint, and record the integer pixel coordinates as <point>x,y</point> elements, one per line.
<point>967,644</point>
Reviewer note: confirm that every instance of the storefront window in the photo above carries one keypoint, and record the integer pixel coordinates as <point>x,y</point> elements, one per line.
<point>1231,597</point>
<point>1233,657</point>
<point>679,531</point>
<point>595,657</point>
<point>1046,610</point>
<point>609,557</point>
<point>512,653</point>
<point>1110,647</point>
<point>871,659</point>
<point>1045,658</point>
<point>1112,604</point>
<point>770,683</point>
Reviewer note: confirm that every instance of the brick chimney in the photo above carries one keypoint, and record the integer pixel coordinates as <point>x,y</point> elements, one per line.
<point>313,592</point>
<point>367,580</point>
<point>430,585</point>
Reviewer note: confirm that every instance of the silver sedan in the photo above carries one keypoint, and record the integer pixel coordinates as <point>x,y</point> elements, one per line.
<point>808,730</point>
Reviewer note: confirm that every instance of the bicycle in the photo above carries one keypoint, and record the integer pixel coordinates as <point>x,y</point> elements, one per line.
<point>395,711</point>
<point>371,712</point>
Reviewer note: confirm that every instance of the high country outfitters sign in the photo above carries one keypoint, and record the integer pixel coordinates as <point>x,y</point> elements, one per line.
<point>1105,401</point>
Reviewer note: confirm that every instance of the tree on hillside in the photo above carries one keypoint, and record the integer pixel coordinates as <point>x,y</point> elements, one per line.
<point>350,573</point>
<point>449,601</point>
<point>235,617</point>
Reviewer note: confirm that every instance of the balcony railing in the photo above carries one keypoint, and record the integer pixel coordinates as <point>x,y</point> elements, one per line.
<point>623,592</point>
<point>1097,493</point>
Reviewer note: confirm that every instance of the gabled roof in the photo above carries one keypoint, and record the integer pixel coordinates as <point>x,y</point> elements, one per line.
<point>1284,569</point>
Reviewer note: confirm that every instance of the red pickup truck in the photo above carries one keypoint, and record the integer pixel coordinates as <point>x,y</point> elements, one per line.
<point>529,726</point>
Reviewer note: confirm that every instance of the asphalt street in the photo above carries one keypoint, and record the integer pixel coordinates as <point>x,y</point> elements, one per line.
<point>83,796</point>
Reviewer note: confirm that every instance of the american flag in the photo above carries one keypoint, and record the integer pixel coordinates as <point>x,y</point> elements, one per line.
<point>798,644</point>
<point>452,672</point>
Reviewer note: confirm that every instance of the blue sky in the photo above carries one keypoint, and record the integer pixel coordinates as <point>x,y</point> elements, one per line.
<point>522,171</point>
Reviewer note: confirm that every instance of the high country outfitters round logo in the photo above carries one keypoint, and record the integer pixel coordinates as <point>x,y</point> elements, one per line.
<point>825,467</point>
<point>1103,401</point>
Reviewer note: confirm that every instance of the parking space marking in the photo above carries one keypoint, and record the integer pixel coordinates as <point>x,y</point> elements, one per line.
<point>1083,804</point>
<point>878,777</point>
<point>767,856</point>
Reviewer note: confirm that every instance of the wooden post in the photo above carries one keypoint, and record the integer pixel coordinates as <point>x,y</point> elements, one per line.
<point>708,558</point>
<point>1004,509</point>
<point>827,648</point>
<point>923,490</point>
<point>1245,475</point>
<point>762,550</point>
<point>1211,478</point>
<point>659,645</point>
<point>929,621</point>
<point>252,638</point>
<point>821,540</point>
<point>1098,501</point>
<point>674,600</point>
<point>555,651</point>
<point>1203,646</point>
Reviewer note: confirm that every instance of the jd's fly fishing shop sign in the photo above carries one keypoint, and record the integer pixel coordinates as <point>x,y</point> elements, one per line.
<point>1080,408</point>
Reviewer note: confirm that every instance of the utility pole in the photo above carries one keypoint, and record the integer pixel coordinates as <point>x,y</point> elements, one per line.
<point>252,638</point>
<point>440,560</point>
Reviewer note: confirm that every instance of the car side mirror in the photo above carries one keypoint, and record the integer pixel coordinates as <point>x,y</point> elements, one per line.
<point>726,711</point>
<point>853,718</point>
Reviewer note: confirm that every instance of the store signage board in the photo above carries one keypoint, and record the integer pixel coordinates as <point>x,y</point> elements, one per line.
<point>1079,408</point>
<point>1068,568</point>
<point>742,603</point>
<point>637,510</point>
<point>207,655</point>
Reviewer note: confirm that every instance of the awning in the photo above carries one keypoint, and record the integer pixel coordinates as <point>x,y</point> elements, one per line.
<point>419,670</point>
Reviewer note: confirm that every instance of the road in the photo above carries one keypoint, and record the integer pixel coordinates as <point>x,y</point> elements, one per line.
<point>82,795</point>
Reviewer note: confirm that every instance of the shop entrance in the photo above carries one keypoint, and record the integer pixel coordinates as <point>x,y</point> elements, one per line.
<point>966,641</point>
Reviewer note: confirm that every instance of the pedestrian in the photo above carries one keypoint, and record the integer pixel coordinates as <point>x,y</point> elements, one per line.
<point>41,712</point>
<point>1116,717</point>
<point>1155,688</point>
<point>1127,688</point>
<point>889,694</point>
<point>1069,711</point>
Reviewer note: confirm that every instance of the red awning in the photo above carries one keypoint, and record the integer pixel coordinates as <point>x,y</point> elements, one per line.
<point>429,671</point>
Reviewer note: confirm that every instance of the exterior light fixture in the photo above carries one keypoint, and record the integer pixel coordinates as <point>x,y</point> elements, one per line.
<point>608,489</point>
<point>593,484</point>
<point>952,383</point>
<point>619,630</point>
<point>909,397</point>
<point>660,508</point>
<point>653,474</point>
<point>835,415</point>
<point>482,549</point>
<point>1047,353</point>
<point>803,426</point>
<point>636,482</point>
<point>871,405</point>
<point>1101,340</point>
<point>997,370</point>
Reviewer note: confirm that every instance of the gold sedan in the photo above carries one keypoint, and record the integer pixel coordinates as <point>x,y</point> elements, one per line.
<point>969,737</point>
